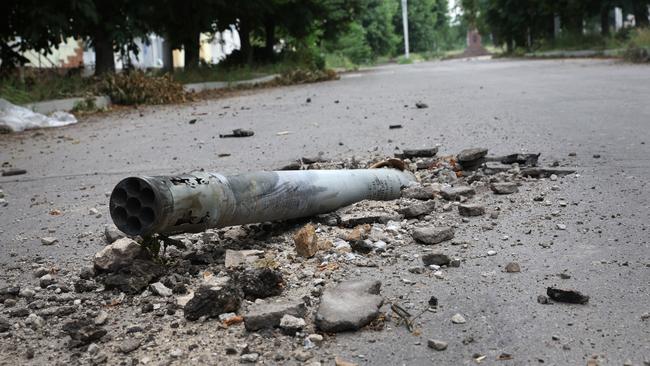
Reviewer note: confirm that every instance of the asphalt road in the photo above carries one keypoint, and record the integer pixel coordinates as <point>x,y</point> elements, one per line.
<point>555,107</point>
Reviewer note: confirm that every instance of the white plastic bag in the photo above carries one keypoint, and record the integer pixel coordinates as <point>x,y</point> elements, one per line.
<point>15,118</point>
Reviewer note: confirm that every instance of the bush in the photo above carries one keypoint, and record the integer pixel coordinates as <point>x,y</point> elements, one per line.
<point>136,87</point>
<point>302,76</point>
<point>638,49</point>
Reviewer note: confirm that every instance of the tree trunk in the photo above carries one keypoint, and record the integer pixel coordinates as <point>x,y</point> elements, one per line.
<point>269,31</point>
<point>167,56</point>
<point>245,42</point>
<point>604,21</point>
<point>192,47</point>
<point>104,57</point>
<point>641,14</point>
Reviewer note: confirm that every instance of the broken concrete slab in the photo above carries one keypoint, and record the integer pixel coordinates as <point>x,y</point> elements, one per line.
<point>417,153</point>
<point>437,259</point>
<point>471,155</point>
<point>261,316</point>
<point>417,209</point>
<point>504,188</point>
<point>419,192</point>
<point>349,306</point>
<point>471,209</point>
<point>432,234</point>
<point>454,193</point>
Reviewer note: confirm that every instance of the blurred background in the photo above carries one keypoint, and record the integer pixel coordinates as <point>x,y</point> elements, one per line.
<point>51,49</point>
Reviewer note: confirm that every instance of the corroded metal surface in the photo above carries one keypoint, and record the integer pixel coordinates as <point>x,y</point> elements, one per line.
<point>197,201</point>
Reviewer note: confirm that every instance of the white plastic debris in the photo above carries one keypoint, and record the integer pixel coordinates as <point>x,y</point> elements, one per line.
<point>15,118</point>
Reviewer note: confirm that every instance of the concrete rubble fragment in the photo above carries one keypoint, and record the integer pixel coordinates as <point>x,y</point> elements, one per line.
<point>455,193</point>
<point>270,315</point>
<point>470,209</point>
<point>504,187</point>
<point>432,234</point>
<point>349,306</point>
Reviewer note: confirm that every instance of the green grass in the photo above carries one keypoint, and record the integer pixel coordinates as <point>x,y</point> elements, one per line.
<point>232,73</point>
<point>40,85</point>
<point>339,61</point>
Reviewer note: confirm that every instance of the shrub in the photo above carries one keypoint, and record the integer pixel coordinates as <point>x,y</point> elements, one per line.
<point>136,87</point>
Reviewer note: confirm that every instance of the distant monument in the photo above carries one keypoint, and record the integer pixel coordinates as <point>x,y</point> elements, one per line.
<point>474,46</point>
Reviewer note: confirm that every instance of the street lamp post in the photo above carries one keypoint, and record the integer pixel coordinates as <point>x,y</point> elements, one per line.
<point>405,23</point>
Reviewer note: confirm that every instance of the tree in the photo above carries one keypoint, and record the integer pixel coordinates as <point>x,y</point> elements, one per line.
<point>377,23</point>
<point>30,25</point>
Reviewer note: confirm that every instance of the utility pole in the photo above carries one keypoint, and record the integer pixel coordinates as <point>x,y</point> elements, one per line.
<point>405,23</point>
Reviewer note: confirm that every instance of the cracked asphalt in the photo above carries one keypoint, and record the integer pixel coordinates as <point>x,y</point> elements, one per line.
<point>556,107</point>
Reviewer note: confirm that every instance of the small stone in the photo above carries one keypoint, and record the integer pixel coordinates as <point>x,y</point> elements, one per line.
<point>432,234</point>
<point>458,319</point>
<point>504,188</point>
<point>302,355</point>
<point>553,177</point>
<point>339,361</point>
<point>40,272</point>
<point>176,353</point>
<point>560,226</point>
<point>93,349</point>
<point>49,240</point>
<point>131,345</point>
<point>306,241</point>
<point>316,339</point>
<point>27,292</point>
<point>491,252</point>
<point>112,234</point>
<point>433,301</point>
<point>87,272</point>
<point>455,193</point>
<point>46,280</point>
<point>160,289</point>
<point>513,267</point>
<point>34,321</point>
<point>5,325</point>
<point>596,156</point>
<point>438,259</point>
<point>471,210</point>
<point>101,318</point>
<point>118,255</point>
<point>455,262</point>
<point>291,324</point>
<point>542,299</point>
<point>436,344</point>
<point>10,303</point>
<point>249,358</point>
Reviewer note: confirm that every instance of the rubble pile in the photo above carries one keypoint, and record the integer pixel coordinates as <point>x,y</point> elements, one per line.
<point>278,291</point>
